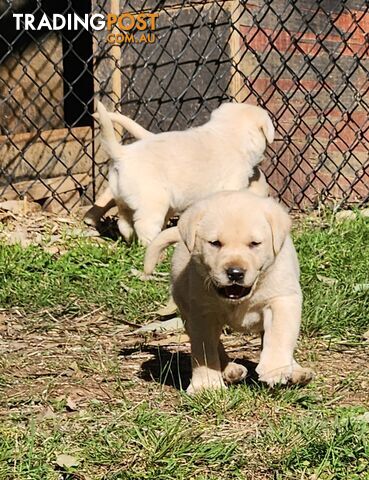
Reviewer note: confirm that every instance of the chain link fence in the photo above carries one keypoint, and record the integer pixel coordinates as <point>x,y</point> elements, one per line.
<point>305,62</point>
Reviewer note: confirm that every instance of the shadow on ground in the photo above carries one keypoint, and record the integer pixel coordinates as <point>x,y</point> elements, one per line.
<point>108,228</point>
<point>174,368</point>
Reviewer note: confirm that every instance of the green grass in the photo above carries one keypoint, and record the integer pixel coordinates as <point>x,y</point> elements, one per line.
<point>132,443</point>
<point>143,442</point>
<point>88,276</point>
<point>145,431</point>
<point>332,448</point>
<point>334,278</point>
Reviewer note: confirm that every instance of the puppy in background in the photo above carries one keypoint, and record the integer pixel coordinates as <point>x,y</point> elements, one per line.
<point>161,175</point>
<point>235,264</point>
<point>106,200</point>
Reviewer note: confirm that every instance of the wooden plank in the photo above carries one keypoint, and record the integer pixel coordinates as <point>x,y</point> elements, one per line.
<point>31,88</point>
<point>50,153</point>
<point>194,67</point>
<point>236,87</point>
<point>68,200</point>
<point>37,189</point>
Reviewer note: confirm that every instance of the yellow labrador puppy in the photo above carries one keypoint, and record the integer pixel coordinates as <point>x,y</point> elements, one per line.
<point>163,174</point>
<point>235,264</point>
<point>106,201</point>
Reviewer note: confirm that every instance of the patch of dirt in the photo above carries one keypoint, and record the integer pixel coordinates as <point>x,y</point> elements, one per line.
<point>88,358</point>
<point>49,363</point>
<point>68,362</point>
<point>343,371</point>
<point>49,230</point>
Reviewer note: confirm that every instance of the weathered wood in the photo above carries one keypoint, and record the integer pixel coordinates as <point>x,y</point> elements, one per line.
<point>68,200</point>
<point>178,87</point>
<point>20,206</point>
<point>236,86</point>
<point>32,88</point>
<point>148,5</point>
<point>40,189</point>
<point>48,154</point>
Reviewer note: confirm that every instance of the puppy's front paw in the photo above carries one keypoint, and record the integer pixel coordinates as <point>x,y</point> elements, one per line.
<point>205,379</point>
<point>274,375</point>
<point>293,374</point>
<point>234,373</point>
<point>301,376</point>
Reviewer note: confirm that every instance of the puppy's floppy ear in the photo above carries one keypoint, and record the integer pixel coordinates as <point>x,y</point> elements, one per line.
<point>279,221</point>
<point>267,127</point>
<point>188,224</point>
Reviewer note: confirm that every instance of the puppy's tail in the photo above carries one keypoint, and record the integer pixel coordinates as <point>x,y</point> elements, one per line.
<point>130,125</point>
<point>108,138</point>
<point>157,246</point>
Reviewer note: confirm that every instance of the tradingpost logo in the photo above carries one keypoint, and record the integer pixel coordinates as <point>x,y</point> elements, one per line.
<point>123,28</point>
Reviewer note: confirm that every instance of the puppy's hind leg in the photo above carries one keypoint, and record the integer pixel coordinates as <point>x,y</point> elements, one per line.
<point>125,221</point>
<point>102,205</point>
<point>157,246</point>
<point>149,219</point>
<point>232,372</point>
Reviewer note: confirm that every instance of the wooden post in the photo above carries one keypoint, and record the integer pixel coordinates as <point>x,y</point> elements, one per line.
<point>237,86</point>
<point>116,75</point>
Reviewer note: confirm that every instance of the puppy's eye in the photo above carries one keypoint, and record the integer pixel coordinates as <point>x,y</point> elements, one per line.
<point>216,243</point>
<point>254,244</point>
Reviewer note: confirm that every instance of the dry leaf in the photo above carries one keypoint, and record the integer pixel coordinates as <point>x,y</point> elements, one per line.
<point>165,326</point>
<point>19,206</point>
<point>173,340</point>
<point>327,280</point>
<point>364,417</point>
<point>19,236</point>
<point>46,413</point>
<point>52,250</point>
<point>71,404</point>
<point>361,287</point>
<point>169,308</point>
<point>66,461</point>
<point>345,215</point>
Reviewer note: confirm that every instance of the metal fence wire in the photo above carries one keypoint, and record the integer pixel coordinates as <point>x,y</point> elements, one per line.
<point>305,62</point>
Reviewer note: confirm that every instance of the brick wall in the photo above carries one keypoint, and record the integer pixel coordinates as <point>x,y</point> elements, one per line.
<point>307,62</point>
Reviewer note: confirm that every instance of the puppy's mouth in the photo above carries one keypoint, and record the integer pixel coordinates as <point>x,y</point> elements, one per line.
<point>234,291</point>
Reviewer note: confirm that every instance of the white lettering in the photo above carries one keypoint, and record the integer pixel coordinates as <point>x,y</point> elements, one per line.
<point>58,21</point>
<point>99,25</point>
<point>80,21</point>
<point>61,25</point>
<point>28,21</point>
<point>69,22</point>
<point>44,22</point>
<point>18,17</point>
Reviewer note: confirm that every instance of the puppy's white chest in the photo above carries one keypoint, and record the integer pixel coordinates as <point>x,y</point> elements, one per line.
<point>246,320</point>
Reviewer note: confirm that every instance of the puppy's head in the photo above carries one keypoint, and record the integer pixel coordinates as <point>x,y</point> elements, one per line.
<point>234,237</point>
<point>252,121</point>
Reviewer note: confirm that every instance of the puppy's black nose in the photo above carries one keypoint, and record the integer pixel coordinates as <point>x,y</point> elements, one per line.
<point>235,274</point>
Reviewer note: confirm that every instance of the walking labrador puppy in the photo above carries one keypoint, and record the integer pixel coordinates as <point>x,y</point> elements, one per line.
<point>235,264</point>
<point>106,201</point>
<point>161,175</point>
